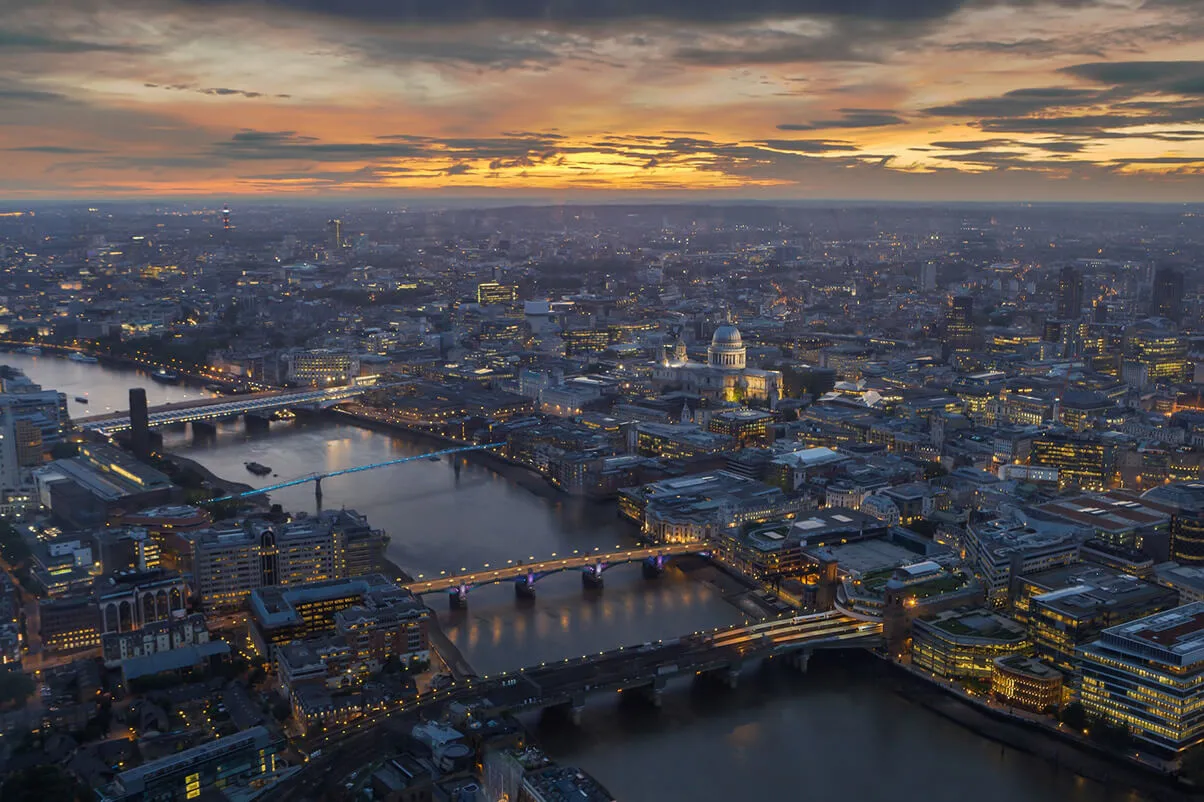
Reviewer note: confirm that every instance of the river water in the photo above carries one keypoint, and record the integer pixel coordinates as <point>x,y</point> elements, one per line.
<point>836,732</point>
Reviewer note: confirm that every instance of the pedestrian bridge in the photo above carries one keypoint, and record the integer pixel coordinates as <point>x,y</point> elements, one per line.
<point>525,575</point>
<point>213,409</point>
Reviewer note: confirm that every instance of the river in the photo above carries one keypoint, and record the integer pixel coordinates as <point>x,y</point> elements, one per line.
<point>838,731</point>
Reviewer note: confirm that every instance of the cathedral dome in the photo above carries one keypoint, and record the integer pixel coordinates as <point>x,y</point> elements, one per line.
<point>727,334</point>
<point>727,348</point>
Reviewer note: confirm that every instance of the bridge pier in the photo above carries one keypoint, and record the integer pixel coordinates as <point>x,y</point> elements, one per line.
<point>458,598</point>
<point>654,693</point>
<point>203,430</point>
<point>654,567</point>
<point>731,676</point>
<point>255,421</point>
<point>591,576</point>
<point>318,492</point>
<point>524,587</point>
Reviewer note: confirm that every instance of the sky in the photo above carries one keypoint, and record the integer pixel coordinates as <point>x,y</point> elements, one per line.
<point>925,100</point>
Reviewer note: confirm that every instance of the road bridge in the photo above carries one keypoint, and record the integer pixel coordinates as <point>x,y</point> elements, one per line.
<point>524,576</point>
<point>213,409</point>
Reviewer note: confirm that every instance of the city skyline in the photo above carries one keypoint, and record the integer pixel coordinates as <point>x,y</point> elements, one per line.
<point>798,99</point>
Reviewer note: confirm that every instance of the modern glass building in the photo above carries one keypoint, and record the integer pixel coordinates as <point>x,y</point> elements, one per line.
<point>1148,675</point>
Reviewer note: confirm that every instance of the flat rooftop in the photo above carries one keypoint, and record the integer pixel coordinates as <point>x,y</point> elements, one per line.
<point>1179,631</point>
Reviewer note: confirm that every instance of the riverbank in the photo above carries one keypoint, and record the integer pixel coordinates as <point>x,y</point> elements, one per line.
<point>1078,756</point>
<point>226,487</point>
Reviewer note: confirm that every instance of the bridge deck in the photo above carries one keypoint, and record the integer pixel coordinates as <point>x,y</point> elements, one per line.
<point>516,571</point>
<point>212,408</point>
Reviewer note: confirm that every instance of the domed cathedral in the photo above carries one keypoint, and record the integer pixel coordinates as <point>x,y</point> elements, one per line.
<point>727,349</point>
<point>724,377</point>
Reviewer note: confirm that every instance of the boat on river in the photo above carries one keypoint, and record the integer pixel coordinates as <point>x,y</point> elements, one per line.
<point>257,468</point>
<point>83,358</point>
<point>32,350</point>
<point>80,399</point>
<point>165,376</point>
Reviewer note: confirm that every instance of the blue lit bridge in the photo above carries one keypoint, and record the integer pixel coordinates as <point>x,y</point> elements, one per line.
<point>317,478</point>
<point>209,410</point>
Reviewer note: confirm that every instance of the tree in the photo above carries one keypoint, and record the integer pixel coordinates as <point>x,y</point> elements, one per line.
<point>1074,716</point>
<point>1191,765</point>
<point>281,711</point>
<point>14,687</point>
<point>42,783</point>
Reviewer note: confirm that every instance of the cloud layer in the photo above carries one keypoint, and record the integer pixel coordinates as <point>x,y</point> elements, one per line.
<point>782,98</point>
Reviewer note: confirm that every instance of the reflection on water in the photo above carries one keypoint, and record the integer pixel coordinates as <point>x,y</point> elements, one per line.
<point>836,733</point>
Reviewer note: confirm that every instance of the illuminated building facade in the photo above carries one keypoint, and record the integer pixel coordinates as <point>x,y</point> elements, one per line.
<point>1084,462</point>
<point>322,367</point>
<point>1027,683</point>
<point>69,624</point>
<point>228,564</point>
<point>1148,676</point>
<point>1161,353</point>
<point>490,293</point>
<point>745,426</point>
<point>964,645</point>
<point>726,375</point>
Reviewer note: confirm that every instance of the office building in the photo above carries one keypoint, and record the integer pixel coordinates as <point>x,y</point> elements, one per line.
<point>69,624</point>
<point>227,564</point>
<point>1148,677</point>
<point>282,615</point>
<point>1085,602</point>
<point>1186,500</point>
<point>139,423</point>
<point>1027,683</point>
<point>490,293</point>
<point>1155,356</point>
<point>1166,300</point>
<point>1001,550</point>
<point>245,762</point>
<point>1082,461</point>
<point>958,336</point>
<point>961,644</point>
<point>1070,293</point>
<point>321,367</point>
<point>746,427</point>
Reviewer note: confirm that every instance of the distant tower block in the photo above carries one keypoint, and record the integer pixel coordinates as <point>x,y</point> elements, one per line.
<point>226,218</point>
<point>139,423</point>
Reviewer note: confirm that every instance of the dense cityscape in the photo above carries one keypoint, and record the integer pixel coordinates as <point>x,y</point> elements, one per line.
<point>954,451</point>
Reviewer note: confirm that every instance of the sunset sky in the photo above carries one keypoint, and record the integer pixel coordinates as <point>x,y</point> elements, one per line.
<point>809,99</point>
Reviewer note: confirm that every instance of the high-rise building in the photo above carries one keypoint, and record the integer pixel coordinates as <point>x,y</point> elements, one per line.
<point>928,276</point>
<point>1156,355</point>
<point>139,423</point>
<point>1070,293</point>
<point>959,325</point>
<point>336,233</point>
<point>1167,298</point>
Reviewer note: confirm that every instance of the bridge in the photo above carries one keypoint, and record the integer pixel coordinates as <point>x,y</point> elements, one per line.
<point>212,409</point>
<point>524,576</point>
<point>317,478</point>
<point>644,669</point>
